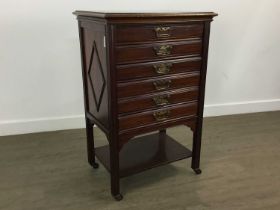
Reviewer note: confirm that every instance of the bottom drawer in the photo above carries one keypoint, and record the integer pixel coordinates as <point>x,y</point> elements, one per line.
<point>158,116</point>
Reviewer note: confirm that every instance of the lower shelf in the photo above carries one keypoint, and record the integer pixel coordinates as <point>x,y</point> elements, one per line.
<point>144,153</point>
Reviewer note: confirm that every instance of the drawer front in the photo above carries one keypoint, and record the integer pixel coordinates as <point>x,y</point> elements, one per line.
<point>157,100</point>
<point>134,53</point>
<point>157,85</point>
<point>135,34</point>
<point>132,71</point>
<point>158,116</point>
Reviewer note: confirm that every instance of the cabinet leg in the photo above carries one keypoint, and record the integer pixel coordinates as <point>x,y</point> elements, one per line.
<point>90,144</point>
<point>196,150</point>
<point>115,170</point>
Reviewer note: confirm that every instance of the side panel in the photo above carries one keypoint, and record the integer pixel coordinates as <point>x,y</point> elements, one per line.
<point>95,71</point>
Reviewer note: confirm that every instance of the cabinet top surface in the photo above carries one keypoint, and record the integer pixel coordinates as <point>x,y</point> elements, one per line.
<point>112,15</point>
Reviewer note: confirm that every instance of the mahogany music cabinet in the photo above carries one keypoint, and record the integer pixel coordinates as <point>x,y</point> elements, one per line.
<point>143,72</point>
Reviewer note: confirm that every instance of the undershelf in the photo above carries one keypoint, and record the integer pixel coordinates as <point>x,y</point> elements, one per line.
<point>144,153</point>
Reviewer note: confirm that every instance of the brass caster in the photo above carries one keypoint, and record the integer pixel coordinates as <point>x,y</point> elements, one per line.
<point>95,165</point>
<point>197,171</point>
<point>118,197</point>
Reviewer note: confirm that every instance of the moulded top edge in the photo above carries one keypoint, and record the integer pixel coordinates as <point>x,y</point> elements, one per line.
<point>109,15</point>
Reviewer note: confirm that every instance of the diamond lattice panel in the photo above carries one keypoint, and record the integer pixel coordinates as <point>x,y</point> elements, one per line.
<point>96,71</point>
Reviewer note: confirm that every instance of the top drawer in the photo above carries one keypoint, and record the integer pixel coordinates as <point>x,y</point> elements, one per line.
<point>134,34</point>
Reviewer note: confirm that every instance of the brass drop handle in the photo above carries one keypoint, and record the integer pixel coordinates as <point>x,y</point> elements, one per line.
<point>162,32</point>
<point>163,68</point>
<point>163,50</point>
<point>162,115</point>
<point>161,100</point>
<point>162,84</point>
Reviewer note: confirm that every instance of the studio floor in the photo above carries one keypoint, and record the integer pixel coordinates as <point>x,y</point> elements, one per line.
<point>240,170</point>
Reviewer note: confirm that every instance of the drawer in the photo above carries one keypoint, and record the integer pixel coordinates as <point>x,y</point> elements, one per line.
<point>134,34</point>
<point>150,52</point>
<point>143,87</point>
<point>152,69</point>
<point>158,116</point>
<point>153,101</point>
